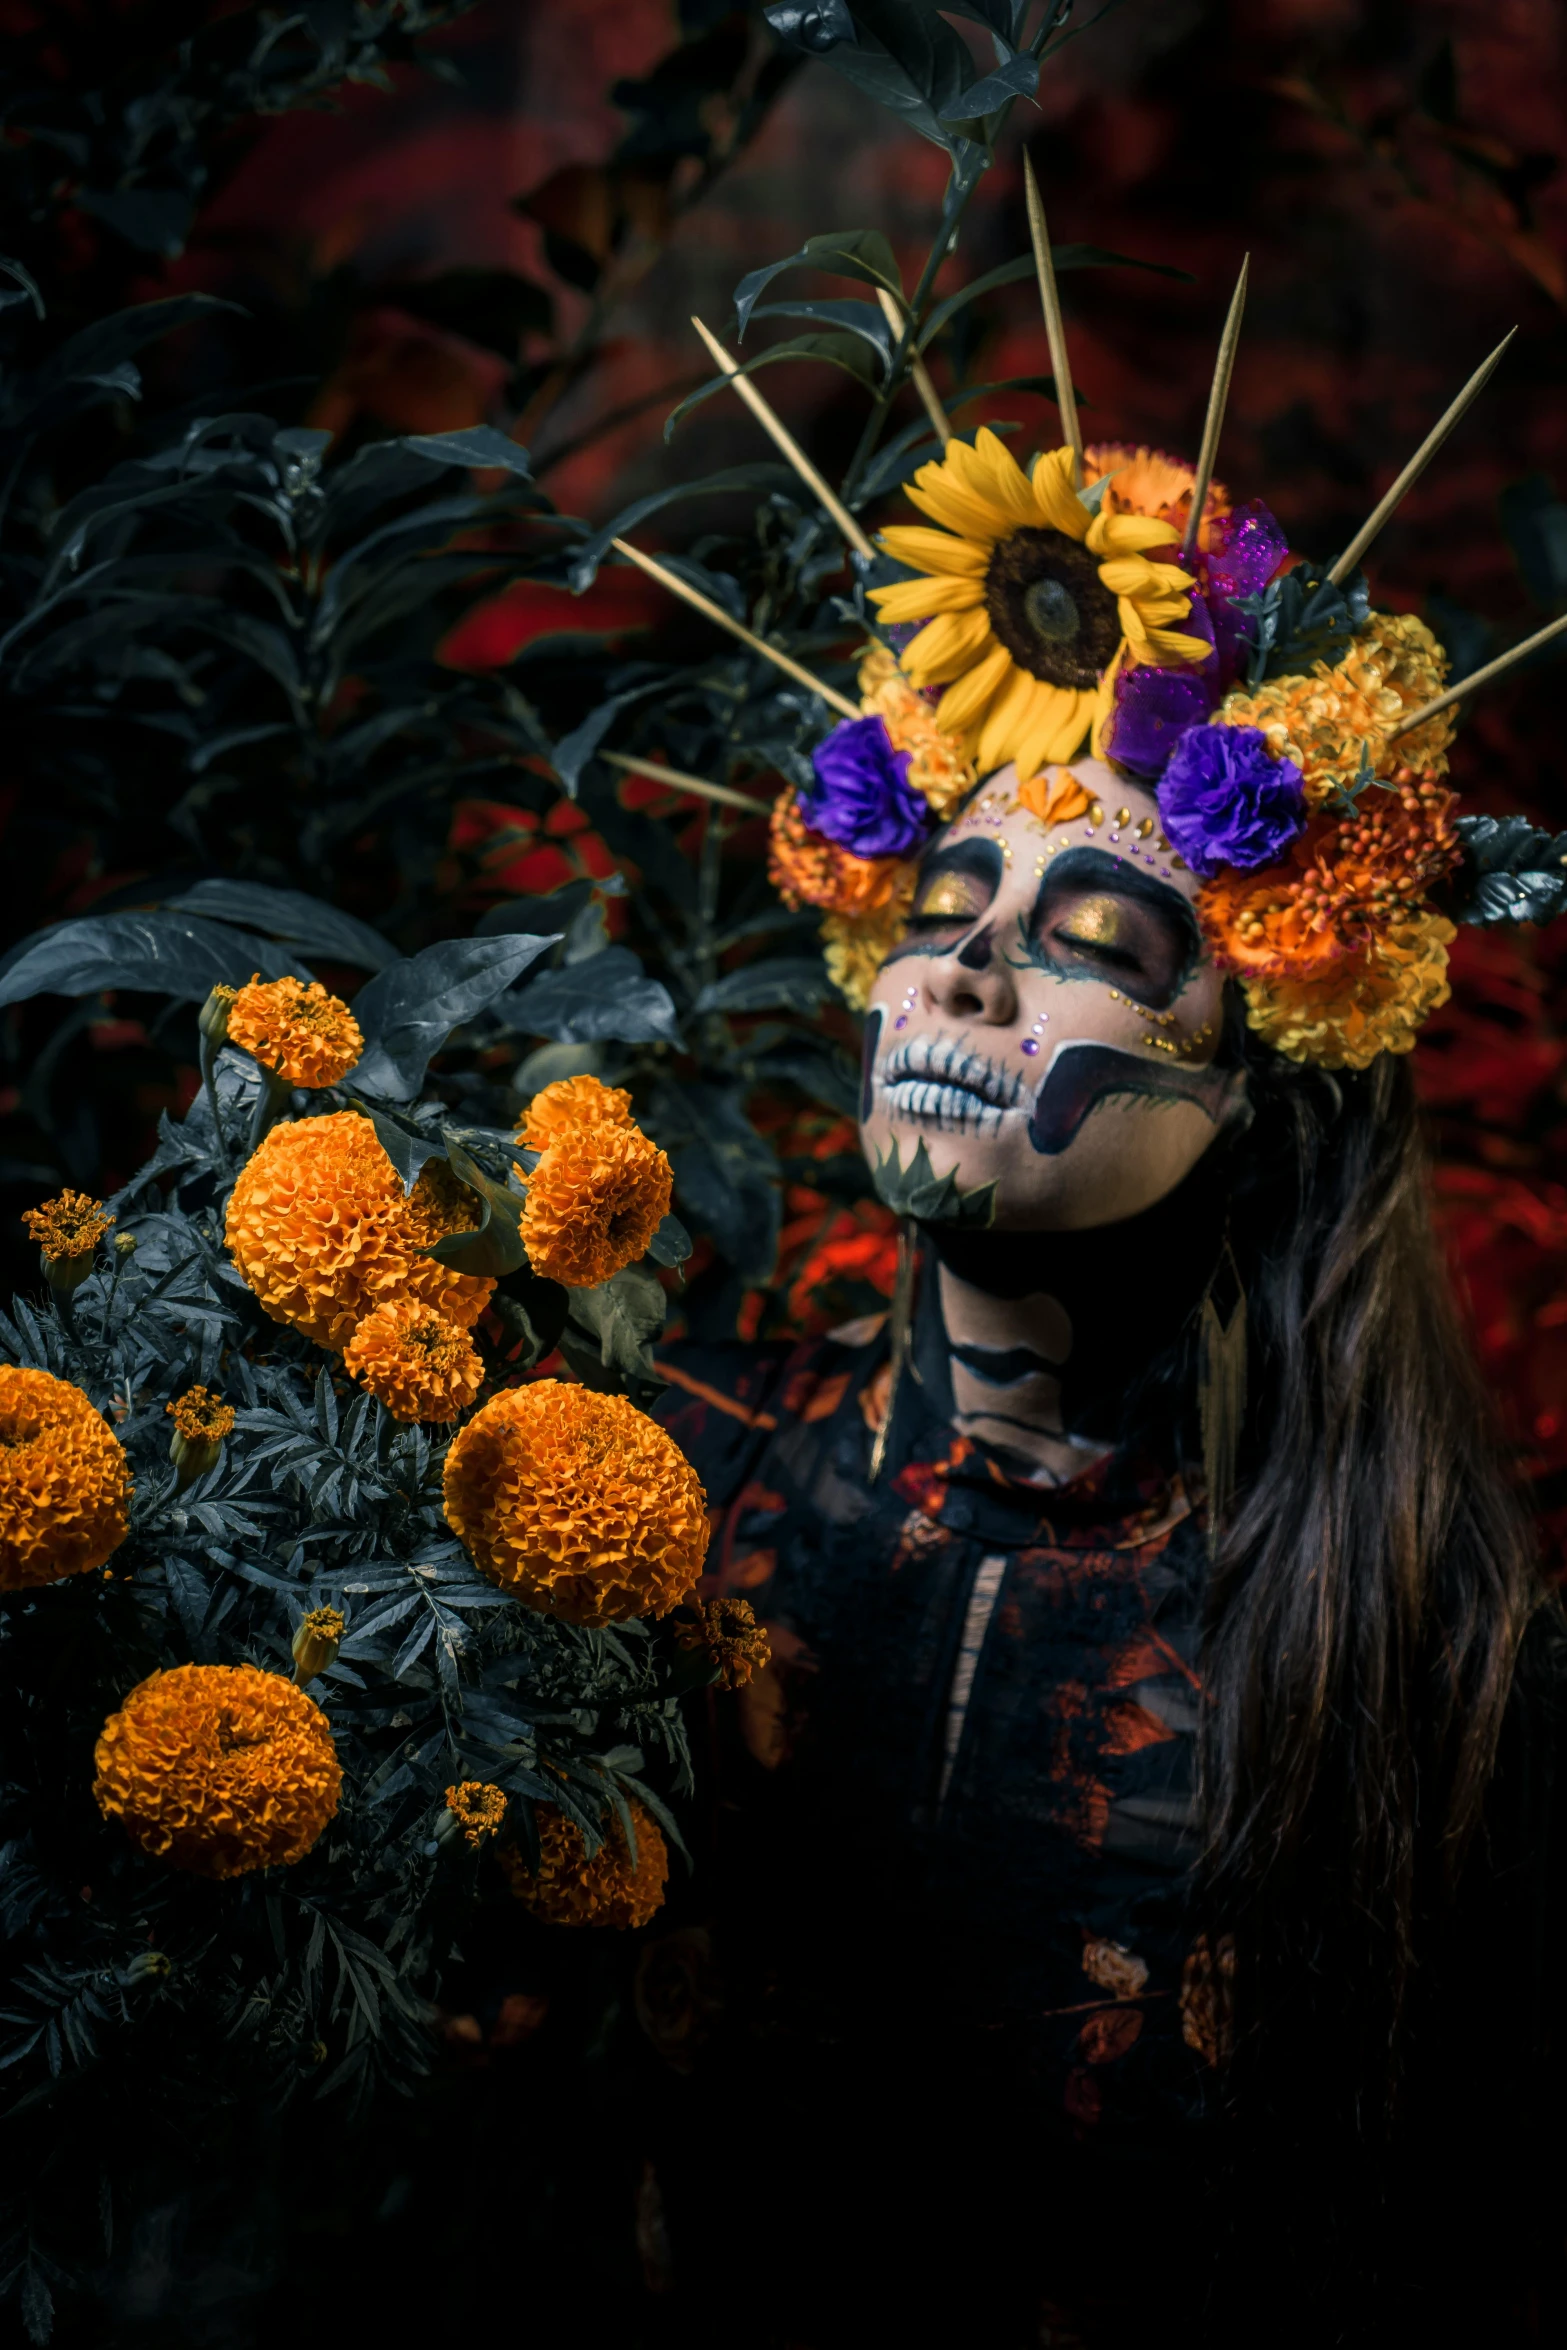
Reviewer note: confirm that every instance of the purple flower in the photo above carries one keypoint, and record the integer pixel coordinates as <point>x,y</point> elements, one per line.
<point>1224,801</point>
<point>863,799</point>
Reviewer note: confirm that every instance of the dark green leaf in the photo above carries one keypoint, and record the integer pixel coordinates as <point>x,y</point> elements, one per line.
<point>917,1191</point>
<point>846,351</point>
<point>288,914</point>
<point>862,253</point>
<point>160,953</point>
<point>609,997</point>
<point>411,1007</point>
<point>787,983</point>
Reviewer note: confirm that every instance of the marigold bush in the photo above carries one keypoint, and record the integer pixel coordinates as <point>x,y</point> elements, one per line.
<point>416,1362</point>
<point>299,1032</point>
<point>219,1769</point>
<point>569,1103</point>
<point>577,1503</point>
<point>319,1226</point>
<point>595,1200</point>
<point>610,1889</point>
<point>64,1481</point>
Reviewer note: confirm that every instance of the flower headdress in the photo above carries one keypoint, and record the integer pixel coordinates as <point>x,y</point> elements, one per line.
<point>1114,599</point>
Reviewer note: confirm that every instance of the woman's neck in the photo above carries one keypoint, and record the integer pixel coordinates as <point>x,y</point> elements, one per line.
<point>1049,1336</point>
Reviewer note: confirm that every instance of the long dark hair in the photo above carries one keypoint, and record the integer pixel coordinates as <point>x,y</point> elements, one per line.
<point>1369,1593</point>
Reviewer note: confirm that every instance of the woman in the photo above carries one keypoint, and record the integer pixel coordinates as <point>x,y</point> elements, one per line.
<point>1134,1874</point>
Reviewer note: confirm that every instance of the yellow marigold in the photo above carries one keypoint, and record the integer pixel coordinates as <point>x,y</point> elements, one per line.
<point>316,1642</point>
<point>479,1807</point>
<point>736,1642</point>
<point>219,1769</point>
<point>64,1482</point>
<point>938,769</point>
<point>1370,1003</point>
<point>319,1227</point>
<point>1321,719</point>
<point>578,1503</point>
<point>569,1103</point>
<point>595,1200</point>
<point>416,1362</point>
<point>855,948</point>
<point>300,1033</point>
<point>70,1226</point>
<point>610,1889</point>
<point>1146,481</point>
<point>200,1416</point>
<point>807,869</point>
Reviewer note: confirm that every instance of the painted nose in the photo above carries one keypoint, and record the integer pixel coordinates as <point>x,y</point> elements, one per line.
<point>972,982</point>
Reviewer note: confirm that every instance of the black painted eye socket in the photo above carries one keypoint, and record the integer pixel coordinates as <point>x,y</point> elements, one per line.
<point>1094,919</point>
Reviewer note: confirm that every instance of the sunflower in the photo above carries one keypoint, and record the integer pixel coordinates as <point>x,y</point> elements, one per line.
<point>1033,603</point>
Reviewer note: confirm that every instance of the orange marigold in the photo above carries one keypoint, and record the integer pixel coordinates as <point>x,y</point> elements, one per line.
<point>612,1888</point>
<point>938,768</point>
<point>416,1362</point>
<point>1372,1002</point>
<point>64,1481</point>
<point>200,1416</point>
<point>1324,718</point>
<point>595,1200</point>
<point>727,1628</point>
<point>808,870</point>
<point>479,1807</point>
<point>577,1503</point>
<point>320,1228</point>
<point>299,1032</point>
<point>70,1226</point>
<point>219,1769</point>
<point>569,1103</point>
<point>1344,884</point>
<point>1146,481</point>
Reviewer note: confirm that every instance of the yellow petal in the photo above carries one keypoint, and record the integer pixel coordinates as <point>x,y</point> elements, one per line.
<point>918,599</point>
<point>1005,723</point>
<point>947,648</point>
<point>952,496</point>
<point>1134,575</point>
<point>1073,729</point>
<point>1126,534</point>
<point>1104,702</point>
<point>992,471</point>
<point>934,550</point>
<point>1161,645</point>
<point>965,701</point>
<point>1059,506</point>
<point>1053,712</point>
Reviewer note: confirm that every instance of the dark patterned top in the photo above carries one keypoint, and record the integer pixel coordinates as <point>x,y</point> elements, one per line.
<point>975,1742</point>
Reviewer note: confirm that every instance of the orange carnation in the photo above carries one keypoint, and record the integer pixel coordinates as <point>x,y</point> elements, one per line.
<point>319,1226</point>
<point>570,1103</point>
<point>219,1769</point>
<point>416,1362</point>
<point>595,1200</point>
<point>808,870</point>
<point>64,1481</point>
<point>613,1888</point>
<point>299,1032</point>
<point>577,1503</point>
<point>1372,1002</point>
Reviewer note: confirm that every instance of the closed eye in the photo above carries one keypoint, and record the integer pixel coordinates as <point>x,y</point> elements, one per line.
<point>1093,919</point>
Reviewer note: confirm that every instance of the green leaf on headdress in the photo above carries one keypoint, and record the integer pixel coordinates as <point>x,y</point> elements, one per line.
<point>917,1191</point>
<point>1512,872</point>
<point>1302,618</point>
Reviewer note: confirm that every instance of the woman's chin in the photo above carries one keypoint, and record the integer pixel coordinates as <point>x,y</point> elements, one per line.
<point>1126,1158</point>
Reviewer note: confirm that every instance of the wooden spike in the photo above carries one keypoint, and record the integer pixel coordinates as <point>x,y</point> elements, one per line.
<point>1338,572</point>
<point>1055,329</point>
<point>1492,669</point>
<point>919,373</point>
<point>714,612</point>
<point>779,432</point>
<point>678,780</point>
<point>1213,423</point>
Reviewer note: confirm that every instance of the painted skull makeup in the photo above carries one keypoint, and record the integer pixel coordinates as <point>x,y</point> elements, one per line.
<point>1049,1022</point>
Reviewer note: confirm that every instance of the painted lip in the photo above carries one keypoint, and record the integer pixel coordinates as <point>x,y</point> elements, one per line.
<point>941,1083</point>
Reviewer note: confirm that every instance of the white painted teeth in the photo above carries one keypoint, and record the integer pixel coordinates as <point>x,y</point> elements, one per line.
<point>942,1105</point>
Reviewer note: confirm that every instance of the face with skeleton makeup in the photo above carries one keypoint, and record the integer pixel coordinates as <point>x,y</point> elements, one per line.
<point>1050,1022</point>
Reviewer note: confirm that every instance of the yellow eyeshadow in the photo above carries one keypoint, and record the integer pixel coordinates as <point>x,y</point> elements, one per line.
<point>956,894</point>
<point>1099,921</point>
